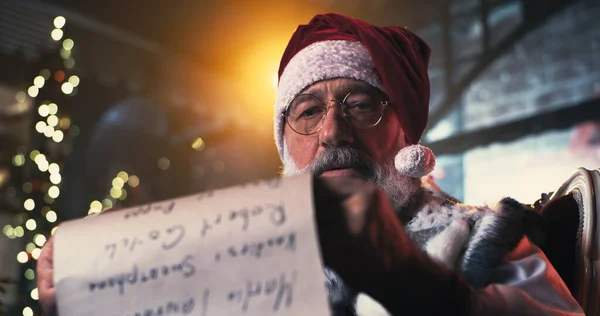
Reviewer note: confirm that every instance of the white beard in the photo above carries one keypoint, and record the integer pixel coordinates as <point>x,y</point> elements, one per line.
<point>399,188</point>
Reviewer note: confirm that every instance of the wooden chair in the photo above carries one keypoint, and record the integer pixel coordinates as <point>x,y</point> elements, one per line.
<point>572,236</point>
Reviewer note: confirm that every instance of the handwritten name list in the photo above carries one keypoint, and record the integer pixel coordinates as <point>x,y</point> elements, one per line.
<point>246,250</point>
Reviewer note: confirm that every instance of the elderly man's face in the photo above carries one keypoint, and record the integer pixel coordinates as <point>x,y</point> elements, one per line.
<point>380,143</point>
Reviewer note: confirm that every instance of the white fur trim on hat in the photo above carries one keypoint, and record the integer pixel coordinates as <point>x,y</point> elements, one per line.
<point>321,61</point>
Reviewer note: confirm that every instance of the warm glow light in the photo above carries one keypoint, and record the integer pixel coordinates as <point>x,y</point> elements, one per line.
<point>117,183</point>
<point>51,216</point>
<point>164,163</point>
<point>123,195</point>
<point>198,144</point>
<point>59,21</point>
<point>35,253</point>
<point>39,158</point>
<point>66,88</point>
<point>49,131</point>
<point>58,136</point>
<point>53,168</point>
<point>53,230</point>
<point>43,166</point>
<point>123,175</point>
<point>52,108</point>
<point>35,294</point>
<point>40,126</point>
<point>96,205</point>
<point>29,204</point>
<point>29,274</point>
<point>52,120</point>
<point>21,96</point>
<point>53,192</point>
<point>22,257</point>
<point>43,110</point>
<point>6,229</point>
<point>29,248</point>
<point>34,153</point>
<point>31,224</point>
<point>55,178</point>
<point>19,231</point>
<point>64,122</point>
<point>39,81</point>
<point>107,203</point>
<point>18,160</point>
<point>59,76</point>
<point>56,34</point>
<point>133,181</point>
<point>116,193</point>
<point>74,80</point>
<point>68,44</point>
<point>27,311</point>
<point>39,240</point>
<point>33,91</point>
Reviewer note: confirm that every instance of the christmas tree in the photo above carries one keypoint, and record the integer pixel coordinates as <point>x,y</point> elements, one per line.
<point>37,167</point>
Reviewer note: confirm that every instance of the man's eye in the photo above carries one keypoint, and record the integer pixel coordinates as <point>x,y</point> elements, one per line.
<point>362,106</point>
<point>311,112</point>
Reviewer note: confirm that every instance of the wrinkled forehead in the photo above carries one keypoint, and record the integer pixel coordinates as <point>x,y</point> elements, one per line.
<point>340,87</point>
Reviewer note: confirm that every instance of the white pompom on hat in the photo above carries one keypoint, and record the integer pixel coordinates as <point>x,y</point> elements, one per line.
<point>415,161</point>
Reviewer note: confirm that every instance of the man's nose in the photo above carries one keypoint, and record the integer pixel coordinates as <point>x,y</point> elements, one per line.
<point>336,129</point>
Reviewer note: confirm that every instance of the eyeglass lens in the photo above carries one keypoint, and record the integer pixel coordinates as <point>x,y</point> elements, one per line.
<point>306,113</point>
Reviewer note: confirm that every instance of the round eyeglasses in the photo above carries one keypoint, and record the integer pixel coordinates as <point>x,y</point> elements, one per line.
<point>306,113</point>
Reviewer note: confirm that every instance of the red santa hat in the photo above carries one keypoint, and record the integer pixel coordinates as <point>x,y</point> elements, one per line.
<point>391,59</point>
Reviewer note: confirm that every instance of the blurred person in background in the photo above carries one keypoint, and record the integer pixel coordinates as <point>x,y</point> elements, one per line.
<point>352,104</point>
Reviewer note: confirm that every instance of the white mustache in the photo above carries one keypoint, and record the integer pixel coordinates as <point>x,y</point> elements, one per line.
<point>342,158</point>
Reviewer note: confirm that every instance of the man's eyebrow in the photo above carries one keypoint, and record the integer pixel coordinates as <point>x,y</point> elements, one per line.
<point>344,88</point>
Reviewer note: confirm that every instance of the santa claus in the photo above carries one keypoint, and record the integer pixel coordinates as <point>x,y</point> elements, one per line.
<point>352,104</point>
<point>353,101</point>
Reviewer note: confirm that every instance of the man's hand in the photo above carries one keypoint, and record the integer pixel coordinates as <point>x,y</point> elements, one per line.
<point>44,278</point>
<point>45,275</point>
<point>362,239</point>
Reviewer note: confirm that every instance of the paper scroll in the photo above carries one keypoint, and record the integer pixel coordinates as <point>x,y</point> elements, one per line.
<point>247,250</point>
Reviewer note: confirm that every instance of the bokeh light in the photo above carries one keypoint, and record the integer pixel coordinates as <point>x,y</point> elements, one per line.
<point>33,91</point>
<point>51,216</point>
<point>39,81</point>
<point>30,224</point>
<point>59,21</point>
<point>68,44</point>
<point>56,34</point>
<point>133,181</point>
<point>22,257</point>
<point>53,192</point>
<point>29,204</point>
<point>66,88</point>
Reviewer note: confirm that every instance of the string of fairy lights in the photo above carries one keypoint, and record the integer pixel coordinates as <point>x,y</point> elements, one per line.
<point>51,125</point>
<point>56,127</point>
<point>118,191</point>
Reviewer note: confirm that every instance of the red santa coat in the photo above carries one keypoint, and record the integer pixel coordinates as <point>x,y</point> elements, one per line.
<point>488,247</point>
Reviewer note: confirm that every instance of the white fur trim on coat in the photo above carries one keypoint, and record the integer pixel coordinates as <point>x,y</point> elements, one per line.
<point>321,61</point>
